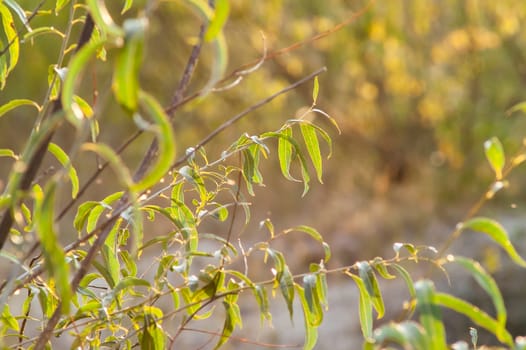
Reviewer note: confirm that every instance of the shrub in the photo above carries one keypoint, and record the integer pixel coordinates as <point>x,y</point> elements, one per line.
<point>109,283</point>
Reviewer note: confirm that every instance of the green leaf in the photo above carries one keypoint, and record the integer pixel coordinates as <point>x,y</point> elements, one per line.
<point>215,26</point>
<point>76,66</point>
<point>8,320</point>
<point>365,307</point>
<point>408,246</point>
<point>495,155</point>
<point>478,316</point>
<point>493,229</point>
<point>127,5</point>
<point>286,285</point>
<point>59,5</point>
<point>408,334</point>
<point>381,267</point>
<point>103,20</point>
<point>371,285</point>
<point>7,64</point>
<point>166,138</point>
<point>84,106</point>
<point>315,90</point>
<point>41,31</point>
<point>487,282</point>
<point>285,148</point>
<point>303,163</point>
<point>521,106</point>
<point>109,254</point>
<point>4,152</point>
<point>126,73</point>
<point>309,287</point>
<point>311,331</point>
<point>192,175</point>
<point>118,166</point>
<point>233,314</point>
<point>63,158</point>
<point>152,337</point>
<point>55,258</point>
<point>128,282</point>
<point>407,278</point>
<point>430,315</point>
<point>16,103</point>
<point>314,234</point>
<point>279,260</point>
<point>260,293</point>
<point>19,11</point>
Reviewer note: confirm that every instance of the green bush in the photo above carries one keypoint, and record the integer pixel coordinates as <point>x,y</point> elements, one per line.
<point>105,281</point>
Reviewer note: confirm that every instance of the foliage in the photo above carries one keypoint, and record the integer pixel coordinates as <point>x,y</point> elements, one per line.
<point>118,282</point>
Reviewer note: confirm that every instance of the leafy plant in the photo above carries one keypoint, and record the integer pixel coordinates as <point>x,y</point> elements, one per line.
<point>110,284</point>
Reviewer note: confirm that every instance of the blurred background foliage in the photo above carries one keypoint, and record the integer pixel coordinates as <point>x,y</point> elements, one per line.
<point>416,86</point>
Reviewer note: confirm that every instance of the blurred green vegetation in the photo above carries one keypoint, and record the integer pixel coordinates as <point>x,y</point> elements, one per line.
<point>416,86</point>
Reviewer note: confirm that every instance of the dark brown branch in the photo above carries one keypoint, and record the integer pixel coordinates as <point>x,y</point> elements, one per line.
<point>37,157</point>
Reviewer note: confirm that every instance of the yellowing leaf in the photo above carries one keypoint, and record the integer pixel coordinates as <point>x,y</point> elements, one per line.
<point>7,64</point>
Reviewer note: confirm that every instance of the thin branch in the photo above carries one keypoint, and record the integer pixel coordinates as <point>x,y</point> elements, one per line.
<point>19,32</point>
<point>242,114</point>
<point>240,71</point>
<point>274,54</point>
<point>37,157</point>
<point>100,230</point>
<point>245,340</point>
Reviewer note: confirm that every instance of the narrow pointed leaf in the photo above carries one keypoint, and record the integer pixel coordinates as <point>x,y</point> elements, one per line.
<point>430,314</point>
<point>260,293</point>
<point>407,278</point>
<point>495,230</point>
<point>487,282</point>
<point>166,138</point>
<point>4,152</point>
<point>128,282</point>
<point>495,155</point>
<point>76,66</point>
<point>313,147</point>
<point>315,90</point>
<point>55,258</point>
<point>221,11</point>
<point>19,11</point>
<point>109,254</point>
<point>118,166</point>
<point>7,64</point>
<point>126,74</point>
<point>311,331</point>
<point>365,308</point>
<point>314,234</point>
<point>103,19</point>
<point>285,149</point>
<point>286,285</point>
<point>127,5</point>
<point>63,158</point>
<point>16,103</point>
<point>59,5</point>
<point>408,334</point>
<point>371,284</point>
<point>478,316</point>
